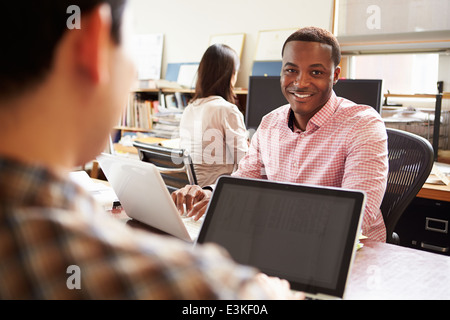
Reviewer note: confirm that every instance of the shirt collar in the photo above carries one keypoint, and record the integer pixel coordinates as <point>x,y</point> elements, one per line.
<point>320,118</point>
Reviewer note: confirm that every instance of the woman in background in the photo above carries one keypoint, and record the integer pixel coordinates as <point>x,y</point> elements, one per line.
<point>212,128</point>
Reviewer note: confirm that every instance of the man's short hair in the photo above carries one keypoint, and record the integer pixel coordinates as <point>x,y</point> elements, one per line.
<point>30,31</point>
<point>314,34</point>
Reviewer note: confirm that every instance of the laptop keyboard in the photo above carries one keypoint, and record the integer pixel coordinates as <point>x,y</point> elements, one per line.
<point>193,227</point>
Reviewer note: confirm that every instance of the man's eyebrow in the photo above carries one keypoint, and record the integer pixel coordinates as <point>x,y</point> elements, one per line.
<point>290,64</point>
<point>317,65</point>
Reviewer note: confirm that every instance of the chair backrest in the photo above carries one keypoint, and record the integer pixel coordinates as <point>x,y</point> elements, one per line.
<point>175,165</point>
<point>411,160</point>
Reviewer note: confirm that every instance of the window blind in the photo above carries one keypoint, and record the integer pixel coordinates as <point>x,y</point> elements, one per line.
<point>379,26</point>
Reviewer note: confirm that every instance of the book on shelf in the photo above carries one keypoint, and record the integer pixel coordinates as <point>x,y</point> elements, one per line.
<point>182,99</point>
<point>175,100</point>
<point>159,114</point>
<point>171,102</point>
<point>139,113</point>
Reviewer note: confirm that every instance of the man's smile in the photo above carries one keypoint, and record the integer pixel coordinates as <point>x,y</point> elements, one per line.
<point>298,95</point>
<point>301,94</point>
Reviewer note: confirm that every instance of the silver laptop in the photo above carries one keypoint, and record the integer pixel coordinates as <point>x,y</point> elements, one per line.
<point>304,234</point>
<point>144,196</point>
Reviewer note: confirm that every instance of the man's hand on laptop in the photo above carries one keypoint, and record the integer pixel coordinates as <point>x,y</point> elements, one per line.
<point>195,198</point>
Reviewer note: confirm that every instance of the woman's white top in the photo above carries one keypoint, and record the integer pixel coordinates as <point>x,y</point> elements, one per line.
<point>213,131</point>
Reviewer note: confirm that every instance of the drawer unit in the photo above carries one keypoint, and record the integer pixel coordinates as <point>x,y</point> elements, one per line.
<point>425,225</point>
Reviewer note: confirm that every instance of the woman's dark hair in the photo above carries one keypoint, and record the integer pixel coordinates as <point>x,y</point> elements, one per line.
<point>314,34</point>
<point>218,65</point>
<point>30,32</point>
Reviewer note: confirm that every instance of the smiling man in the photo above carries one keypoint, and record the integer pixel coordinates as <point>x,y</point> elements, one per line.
<point>318,138</point>
<point>307,78</point>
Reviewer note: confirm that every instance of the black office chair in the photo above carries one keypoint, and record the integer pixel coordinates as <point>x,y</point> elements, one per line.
<point>175,165</point>
<point>411,160</point>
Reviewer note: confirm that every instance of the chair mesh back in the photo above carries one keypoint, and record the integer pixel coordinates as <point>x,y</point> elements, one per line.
<point>169,158</point>
<point>410,163</point>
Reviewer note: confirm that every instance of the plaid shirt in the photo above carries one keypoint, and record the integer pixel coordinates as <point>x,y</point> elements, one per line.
<point>48,225</point>
<point>344,145</point>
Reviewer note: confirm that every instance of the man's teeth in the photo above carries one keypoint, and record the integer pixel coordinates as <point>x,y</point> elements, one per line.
<point>302,95</point>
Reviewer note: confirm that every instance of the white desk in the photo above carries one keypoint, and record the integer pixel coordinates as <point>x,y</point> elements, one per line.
<point>385,271</point>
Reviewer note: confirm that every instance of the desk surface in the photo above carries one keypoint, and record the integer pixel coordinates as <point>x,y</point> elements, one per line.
<point>435,192</point>
<point>431,191</point>
<point>385,271</point>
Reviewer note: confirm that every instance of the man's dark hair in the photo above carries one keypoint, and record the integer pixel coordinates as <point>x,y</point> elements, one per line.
<point>314,34</point>
<point>30,31</point>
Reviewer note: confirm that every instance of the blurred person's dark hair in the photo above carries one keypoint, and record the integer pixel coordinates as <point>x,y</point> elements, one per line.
<point>30,31</point>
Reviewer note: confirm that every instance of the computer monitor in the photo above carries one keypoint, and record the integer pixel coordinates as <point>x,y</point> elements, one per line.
<point>264,95</point>
<point>361,91</point>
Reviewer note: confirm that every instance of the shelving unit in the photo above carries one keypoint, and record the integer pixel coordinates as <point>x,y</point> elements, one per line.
<point>157,112</point>
<point>445,95</point>
<point>440,130</point>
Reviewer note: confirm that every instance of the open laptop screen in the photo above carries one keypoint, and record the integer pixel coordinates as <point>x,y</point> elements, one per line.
<point>300,233</point>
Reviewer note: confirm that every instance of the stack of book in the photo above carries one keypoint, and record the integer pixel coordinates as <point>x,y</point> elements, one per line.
<point>166,124</point>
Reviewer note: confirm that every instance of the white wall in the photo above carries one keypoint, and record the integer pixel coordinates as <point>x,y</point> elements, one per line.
<point>188,24</point>
<point>444,70</point>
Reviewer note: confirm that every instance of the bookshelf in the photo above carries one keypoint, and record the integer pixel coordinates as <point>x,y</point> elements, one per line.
<point>157,111</point>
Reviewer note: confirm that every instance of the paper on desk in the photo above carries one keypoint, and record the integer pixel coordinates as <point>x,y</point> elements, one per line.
<point>359,245</point>
<point>104,195</point>
<point>439,174</point>
<point>172,143</point>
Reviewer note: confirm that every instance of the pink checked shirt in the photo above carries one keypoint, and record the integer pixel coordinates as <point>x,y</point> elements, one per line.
<point>344,145</point>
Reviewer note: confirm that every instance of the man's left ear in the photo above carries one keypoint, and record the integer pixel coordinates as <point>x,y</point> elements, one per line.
<point>94,43</point>
<point>337,72</point>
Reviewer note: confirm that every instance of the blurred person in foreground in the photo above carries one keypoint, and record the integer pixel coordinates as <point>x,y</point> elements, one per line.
<point>61,91</point>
